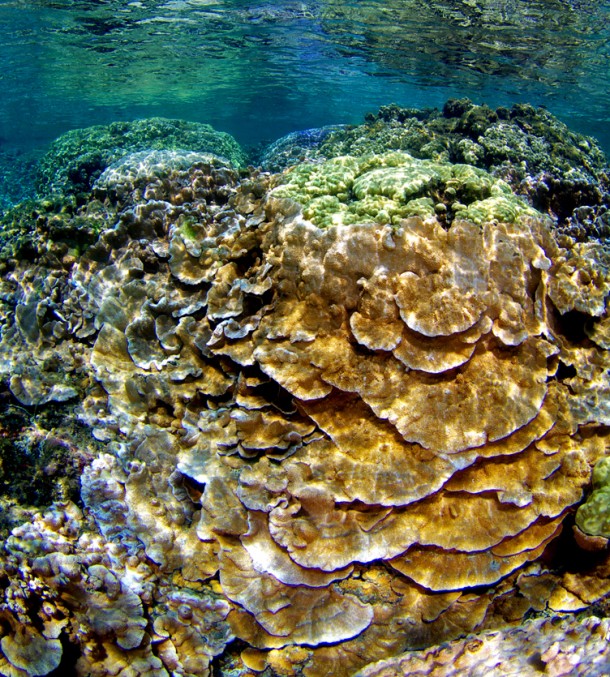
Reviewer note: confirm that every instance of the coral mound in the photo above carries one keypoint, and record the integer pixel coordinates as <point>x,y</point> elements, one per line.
<point>557,170</point>
<point>77,158</point>
<point>334,439</point>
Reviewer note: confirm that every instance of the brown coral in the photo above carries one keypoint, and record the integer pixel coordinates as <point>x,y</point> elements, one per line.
<point>374,434</point>
<point>540,645</point>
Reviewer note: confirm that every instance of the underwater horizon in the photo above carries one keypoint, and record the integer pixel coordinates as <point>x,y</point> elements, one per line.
<point>305,338</point>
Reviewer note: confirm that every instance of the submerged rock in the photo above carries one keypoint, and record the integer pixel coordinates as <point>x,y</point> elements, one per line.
<point>294,148</point>
<point>324,425</point>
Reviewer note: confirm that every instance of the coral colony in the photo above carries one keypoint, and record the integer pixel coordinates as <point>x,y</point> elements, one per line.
<point>312,418</point>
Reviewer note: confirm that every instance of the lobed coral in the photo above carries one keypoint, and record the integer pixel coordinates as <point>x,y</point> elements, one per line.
<point>593,516</point>
<point>389,187</point>
<point>332,439</point>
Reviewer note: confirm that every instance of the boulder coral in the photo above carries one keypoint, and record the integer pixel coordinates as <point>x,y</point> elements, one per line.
<point>389,187</point>
<point>330,435</point>
<point>77,158</point>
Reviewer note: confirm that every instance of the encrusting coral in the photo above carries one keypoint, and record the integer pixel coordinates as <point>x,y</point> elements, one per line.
<point>543,646</point>
<point>332,429</point>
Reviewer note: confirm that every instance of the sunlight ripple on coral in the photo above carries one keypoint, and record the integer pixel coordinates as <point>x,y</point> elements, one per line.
<point>344,411</point>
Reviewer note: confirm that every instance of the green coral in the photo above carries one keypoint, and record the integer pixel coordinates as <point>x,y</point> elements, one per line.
<point>593,516</point>
<point>385,188</point>
<point>76,159</point>
<point>334,177</point>
<point>556,170</point>
<point>501,205</point>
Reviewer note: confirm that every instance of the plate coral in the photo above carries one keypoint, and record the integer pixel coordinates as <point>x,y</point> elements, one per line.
<point>320,417</point>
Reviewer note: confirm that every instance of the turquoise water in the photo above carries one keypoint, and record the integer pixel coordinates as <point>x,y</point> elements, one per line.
<point>262,69</point>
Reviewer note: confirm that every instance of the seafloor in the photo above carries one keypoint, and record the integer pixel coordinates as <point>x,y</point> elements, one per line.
<point>335,406</point>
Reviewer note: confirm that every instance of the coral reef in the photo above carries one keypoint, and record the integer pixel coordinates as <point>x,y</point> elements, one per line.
<point>557,170</point>
<point>77,158</point>
<point>543,646</point>
<point>326,428</point>
<point>43,456</point>
<point>385,188</point>
<point>52,224</point>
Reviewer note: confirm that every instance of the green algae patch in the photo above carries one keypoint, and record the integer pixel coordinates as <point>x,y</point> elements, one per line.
<point>385,188</point>
<point>593,516</point>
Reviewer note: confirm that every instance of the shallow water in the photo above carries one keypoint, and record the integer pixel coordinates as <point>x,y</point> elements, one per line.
<point>261,69</point>
<point>296,418</point>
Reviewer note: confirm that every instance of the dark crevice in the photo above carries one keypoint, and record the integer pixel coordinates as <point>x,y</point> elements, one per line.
<point>572,325</point>
<point>564,555</point>
<point>274,394</point>
<point>230,662</point>
<point>564,371</point>
<point>194,489</point>
<point>251,258</point>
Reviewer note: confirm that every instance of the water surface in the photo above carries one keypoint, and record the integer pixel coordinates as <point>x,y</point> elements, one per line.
<point>261,69</point>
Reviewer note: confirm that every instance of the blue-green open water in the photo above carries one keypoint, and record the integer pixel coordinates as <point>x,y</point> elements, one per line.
<point>262,69</point>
